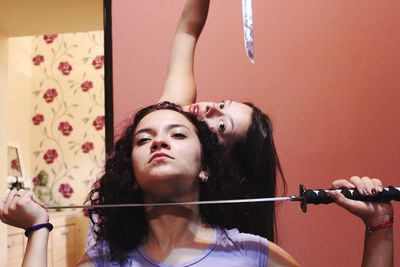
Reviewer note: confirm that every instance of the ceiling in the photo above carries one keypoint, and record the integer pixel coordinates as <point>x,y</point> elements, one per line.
<point>27,17</point>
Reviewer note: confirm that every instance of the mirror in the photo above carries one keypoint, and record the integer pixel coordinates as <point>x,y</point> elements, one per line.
<point>14,165</point>
<point>14,168</point>
<point>57,71</point>
<point>55,58</point>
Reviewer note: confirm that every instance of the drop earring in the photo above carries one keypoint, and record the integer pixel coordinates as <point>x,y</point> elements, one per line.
<point>203,175</point>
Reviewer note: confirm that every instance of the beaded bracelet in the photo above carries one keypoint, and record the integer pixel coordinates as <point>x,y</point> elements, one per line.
<point>33,228</point>
<point>387,224</point>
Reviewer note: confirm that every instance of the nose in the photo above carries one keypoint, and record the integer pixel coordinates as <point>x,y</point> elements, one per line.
<point>212,110</point>
<point>158,144</point>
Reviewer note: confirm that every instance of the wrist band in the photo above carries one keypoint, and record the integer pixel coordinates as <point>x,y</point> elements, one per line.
<point>33,228</point>
<point>387,224</point>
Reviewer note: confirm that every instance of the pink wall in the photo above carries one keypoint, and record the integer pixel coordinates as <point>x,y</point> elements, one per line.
<point>328,73</point>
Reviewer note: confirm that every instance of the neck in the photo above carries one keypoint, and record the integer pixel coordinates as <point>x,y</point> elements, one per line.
<point>172,228</point>
<point>176,234</point>
<point>169,226</point>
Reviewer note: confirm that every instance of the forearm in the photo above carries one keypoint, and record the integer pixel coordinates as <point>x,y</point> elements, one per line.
<point>180,86</point>
<point>194,16</point>
<point>378,248</point>
<point>36,249</point>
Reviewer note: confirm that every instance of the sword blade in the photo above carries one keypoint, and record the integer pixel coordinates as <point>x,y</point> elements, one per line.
<point>389,193</point>
<point>247,15</point>
<point>207,202</point>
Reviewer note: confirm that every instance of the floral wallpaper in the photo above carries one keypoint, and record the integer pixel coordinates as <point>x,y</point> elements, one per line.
<point>68,136</point>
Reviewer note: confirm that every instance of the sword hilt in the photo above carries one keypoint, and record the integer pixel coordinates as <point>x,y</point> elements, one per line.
<point>319,196</point>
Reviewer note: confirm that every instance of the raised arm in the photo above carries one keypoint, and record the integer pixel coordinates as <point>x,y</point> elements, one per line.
<point>21,209</point>
<point>377,217</point>
<point>180,86</point>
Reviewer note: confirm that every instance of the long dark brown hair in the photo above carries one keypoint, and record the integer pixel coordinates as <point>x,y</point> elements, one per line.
<point>258,163</point>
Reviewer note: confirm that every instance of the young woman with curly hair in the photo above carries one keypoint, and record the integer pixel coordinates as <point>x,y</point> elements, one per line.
<point>167,155</point>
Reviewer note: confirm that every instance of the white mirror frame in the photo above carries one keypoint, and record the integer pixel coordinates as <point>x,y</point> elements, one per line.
<point>12,179</point>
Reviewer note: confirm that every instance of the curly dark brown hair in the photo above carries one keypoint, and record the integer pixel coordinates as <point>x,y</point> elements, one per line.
<point>123,229</point>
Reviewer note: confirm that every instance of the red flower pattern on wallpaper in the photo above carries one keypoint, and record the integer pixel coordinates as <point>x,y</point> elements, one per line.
<point>98,62</point>
<point>37,60</point>
<point>65,68</point>
<point>37,119</point>
<point>15,165</point>
<point>86,86</point>
<point>50,156</point>
<point>58,62</point>
<point>49,38</point>
<point>87,147</point>
<point>98,123</point>
<point>66,190</point>
<point>50,94</point>
<point>65,128</point>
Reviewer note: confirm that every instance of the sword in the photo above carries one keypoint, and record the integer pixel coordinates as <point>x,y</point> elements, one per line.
<point>247,15</point>
<point>306,196</point>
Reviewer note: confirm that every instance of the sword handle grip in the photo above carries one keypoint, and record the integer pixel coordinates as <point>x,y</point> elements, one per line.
<point>319,196</point>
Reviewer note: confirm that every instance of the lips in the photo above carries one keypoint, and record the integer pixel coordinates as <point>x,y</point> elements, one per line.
<point>194,109</point>
<point>159,155</point>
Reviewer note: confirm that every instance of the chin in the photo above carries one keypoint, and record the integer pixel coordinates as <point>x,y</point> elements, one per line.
<point>168,173</point>
<point>169,188</point>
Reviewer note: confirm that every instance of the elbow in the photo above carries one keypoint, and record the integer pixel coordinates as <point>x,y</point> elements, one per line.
<point>193,28</point>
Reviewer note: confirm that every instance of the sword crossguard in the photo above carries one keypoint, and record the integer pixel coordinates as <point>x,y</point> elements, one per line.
<point>303,202</point>
<point>301,198</point>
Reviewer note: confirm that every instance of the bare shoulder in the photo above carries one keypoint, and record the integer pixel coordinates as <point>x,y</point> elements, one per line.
<point>277,257</point>
<point>86,261</point>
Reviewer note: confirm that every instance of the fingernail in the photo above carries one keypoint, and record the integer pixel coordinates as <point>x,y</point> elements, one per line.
<point>380,189</point>
<point>351,185</point>
<point>374,192</point>
<point>365,191</point>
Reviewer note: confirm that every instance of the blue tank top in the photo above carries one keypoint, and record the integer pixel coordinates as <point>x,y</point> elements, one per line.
<point>230,248</point>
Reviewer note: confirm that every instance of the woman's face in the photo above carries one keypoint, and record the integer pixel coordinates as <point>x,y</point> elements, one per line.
<point>229,119</point>
<point>166,154</point>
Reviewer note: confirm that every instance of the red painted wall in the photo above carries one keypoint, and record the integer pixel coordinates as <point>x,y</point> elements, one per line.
<point>328,73</point>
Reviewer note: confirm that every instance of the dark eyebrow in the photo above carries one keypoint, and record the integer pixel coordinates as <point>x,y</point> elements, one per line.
<point>177,125</point>
<point>170,127</point>
<point>144,130</point>
<point>229,102</point>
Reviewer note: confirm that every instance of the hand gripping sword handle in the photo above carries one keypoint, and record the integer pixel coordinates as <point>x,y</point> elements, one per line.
<point>319,196</point>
